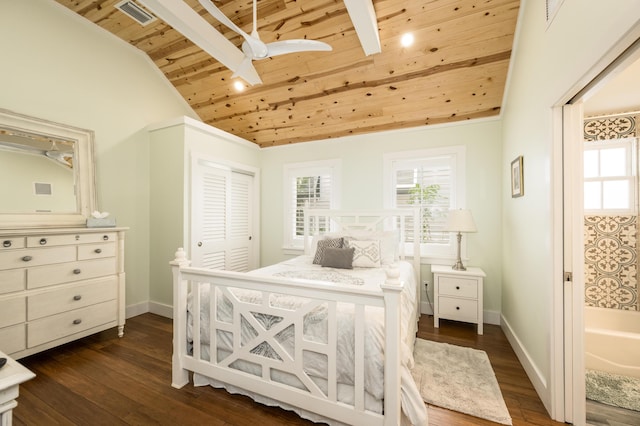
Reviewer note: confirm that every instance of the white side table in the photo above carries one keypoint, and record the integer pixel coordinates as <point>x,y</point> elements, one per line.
<point>457,295</point>
<point>11,376</point>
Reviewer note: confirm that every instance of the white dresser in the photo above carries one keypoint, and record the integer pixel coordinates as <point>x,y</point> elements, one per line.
<point>458,295</point>
<point>58,285</point>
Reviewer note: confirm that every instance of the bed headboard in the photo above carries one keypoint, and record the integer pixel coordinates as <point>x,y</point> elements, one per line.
<point>405,221</point>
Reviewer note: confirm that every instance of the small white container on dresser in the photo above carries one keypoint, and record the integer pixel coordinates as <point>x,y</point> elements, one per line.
<point>458,295</point>
<point>58,285</point>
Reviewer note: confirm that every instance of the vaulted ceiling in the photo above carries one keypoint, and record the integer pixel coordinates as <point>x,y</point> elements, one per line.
<point>455,70</point>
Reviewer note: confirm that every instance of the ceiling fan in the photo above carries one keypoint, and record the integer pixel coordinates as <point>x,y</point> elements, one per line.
<point>255,49</point>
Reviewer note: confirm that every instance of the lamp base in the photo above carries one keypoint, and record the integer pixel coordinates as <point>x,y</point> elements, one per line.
<point>459,266</point>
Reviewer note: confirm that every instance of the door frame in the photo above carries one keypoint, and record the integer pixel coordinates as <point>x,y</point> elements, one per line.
<point>567,340</point>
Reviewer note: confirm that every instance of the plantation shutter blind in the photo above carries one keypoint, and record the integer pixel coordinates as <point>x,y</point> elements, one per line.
<point>427,184</point>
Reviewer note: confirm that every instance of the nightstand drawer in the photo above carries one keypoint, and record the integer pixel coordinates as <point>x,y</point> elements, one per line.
<point>58,326</point>
<point>458,309</point>
<point>458,287</point>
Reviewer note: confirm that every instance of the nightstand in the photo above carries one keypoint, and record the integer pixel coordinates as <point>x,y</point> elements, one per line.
<point>11,375</point>
<point>457,295</point>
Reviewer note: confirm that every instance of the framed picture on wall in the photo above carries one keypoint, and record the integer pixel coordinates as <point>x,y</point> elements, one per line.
<point>517,178</point>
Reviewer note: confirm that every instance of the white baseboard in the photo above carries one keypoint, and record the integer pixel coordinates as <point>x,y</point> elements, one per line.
<point>161,309</point>
<point>135,310</point>
<point>534,374</point>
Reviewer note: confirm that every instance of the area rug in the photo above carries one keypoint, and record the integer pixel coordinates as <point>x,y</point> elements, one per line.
<point>612,389</point>
<point>459,379</point>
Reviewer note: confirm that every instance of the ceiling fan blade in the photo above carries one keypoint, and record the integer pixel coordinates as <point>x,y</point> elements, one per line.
<point>293,46</point>
<point>247,72</point>
<point>221,17</point>
<point>258,48</point>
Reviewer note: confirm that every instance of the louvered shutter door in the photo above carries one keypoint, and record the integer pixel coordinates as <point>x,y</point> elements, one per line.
<point>221,218</point>
<point>239,231</point>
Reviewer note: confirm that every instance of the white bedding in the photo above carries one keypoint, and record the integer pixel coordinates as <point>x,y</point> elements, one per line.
<point>315,329</point>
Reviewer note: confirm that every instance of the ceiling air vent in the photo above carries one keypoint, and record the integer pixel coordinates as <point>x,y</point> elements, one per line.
<point>135,12</point>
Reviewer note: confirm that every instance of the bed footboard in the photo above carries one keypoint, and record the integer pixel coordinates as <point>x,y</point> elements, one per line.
<point>251,334</point>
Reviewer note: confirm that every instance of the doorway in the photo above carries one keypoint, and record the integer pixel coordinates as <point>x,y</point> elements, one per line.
<point>597,104</point>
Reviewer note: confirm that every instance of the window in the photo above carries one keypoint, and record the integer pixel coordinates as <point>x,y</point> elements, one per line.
<point>313,184</point>
<point>432,180</point>
<point>609,177</point>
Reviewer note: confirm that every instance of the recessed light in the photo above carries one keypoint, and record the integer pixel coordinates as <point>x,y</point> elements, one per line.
<point>238,85</point>
<point>406,40</point>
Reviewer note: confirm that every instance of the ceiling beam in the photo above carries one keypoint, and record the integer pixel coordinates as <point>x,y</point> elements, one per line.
<point>363,17</point>
<point>190,24</point>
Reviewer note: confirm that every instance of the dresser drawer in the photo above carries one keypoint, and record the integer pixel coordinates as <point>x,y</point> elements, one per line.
<point>43,276</point>
<point>67,299</point>
<point>96,251</point>
<point>8,243</point>
<point>12,311</point>
<point>69,239</point>
<point>13,339</point>
<point>12,280</point>
<point>458,309</point>
<point>26,258</point>
<point>459,287</point>
<point>68,323</point>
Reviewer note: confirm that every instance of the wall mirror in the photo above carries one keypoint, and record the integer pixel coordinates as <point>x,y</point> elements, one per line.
<point>47,173</point>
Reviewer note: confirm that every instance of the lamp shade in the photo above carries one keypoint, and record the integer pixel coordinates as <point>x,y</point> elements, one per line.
<point>460,220</point>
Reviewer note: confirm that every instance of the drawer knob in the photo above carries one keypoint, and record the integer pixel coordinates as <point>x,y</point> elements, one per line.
<point>457,287</point>
<point>43,241</point>
<point>77,321</point>
<point>105,237</point>
<point>27,258</point>
<point>457,308</point>
<point>77,271</point>
<point>98,251</point>
<point>6,243</point>
<point>77,297</point>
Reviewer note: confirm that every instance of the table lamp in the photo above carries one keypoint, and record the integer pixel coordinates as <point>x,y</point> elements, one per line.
<point>460,221</point>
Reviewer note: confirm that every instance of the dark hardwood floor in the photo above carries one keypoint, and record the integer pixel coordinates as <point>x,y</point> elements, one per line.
<point>104,380</point>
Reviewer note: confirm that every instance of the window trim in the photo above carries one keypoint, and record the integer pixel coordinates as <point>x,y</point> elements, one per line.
<point>430,255</point>
<point>630,144</point>
<point>291,171</point>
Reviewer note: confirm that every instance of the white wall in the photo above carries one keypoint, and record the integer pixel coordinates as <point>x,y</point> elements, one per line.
<point>58,66</point>
<point>362,176</point>
<point>550,64</point>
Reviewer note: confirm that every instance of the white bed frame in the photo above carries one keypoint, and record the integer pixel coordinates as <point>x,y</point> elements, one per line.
<point>313,400</point>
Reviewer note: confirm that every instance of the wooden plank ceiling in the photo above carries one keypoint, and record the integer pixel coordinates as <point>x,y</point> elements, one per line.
<point>456,69</point>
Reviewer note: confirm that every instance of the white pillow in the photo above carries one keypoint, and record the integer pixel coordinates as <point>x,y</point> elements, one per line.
<point>389,241</point>
<point>366,254</point>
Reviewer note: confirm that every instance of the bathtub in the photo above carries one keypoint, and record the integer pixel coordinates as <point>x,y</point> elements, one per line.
<point>612,341</point>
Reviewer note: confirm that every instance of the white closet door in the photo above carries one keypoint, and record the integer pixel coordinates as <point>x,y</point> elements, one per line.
<point>221,217</point>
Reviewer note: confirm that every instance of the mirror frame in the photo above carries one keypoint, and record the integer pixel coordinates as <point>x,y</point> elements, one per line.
<point>84,173</point>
